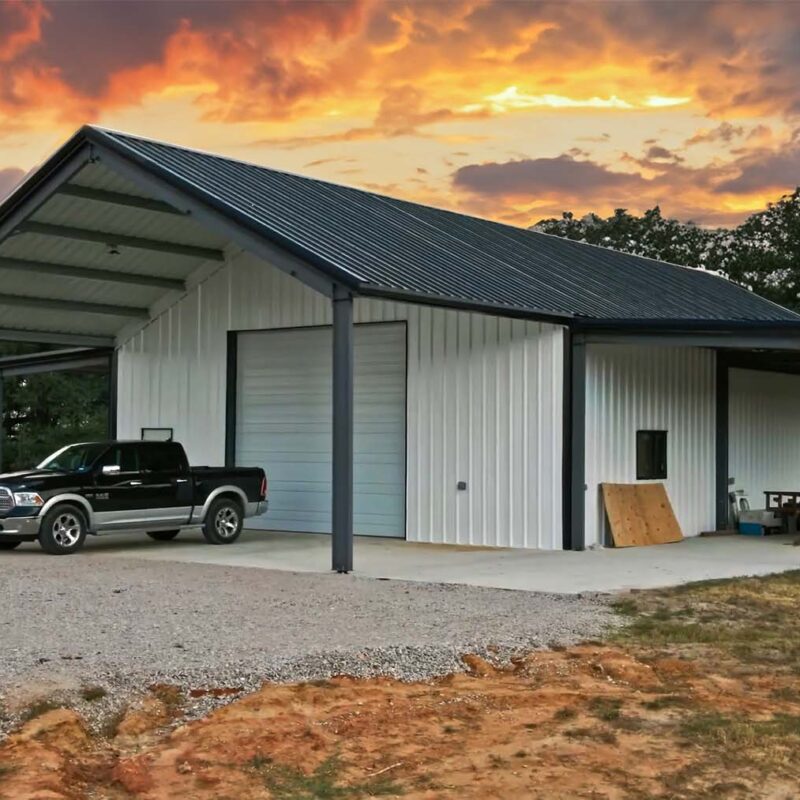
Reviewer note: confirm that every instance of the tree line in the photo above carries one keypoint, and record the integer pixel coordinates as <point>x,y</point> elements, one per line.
<point>762,254</point>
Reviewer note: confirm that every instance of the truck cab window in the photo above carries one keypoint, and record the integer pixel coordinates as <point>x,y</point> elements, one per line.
<point>161,458</point>
<point>122,456</point>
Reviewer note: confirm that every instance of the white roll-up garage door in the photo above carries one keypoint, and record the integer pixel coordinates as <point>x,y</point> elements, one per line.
<point>284,424</point>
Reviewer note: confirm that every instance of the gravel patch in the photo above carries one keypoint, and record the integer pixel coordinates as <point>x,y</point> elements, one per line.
<point>124,624</point>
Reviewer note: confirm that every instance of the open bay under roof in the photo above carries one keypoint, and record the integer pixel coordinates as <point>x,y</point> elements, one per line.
<point>112,226</point>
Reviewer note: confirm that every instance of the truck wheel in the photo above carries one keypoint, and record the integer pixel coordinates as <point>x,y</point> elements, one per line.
<point>163,536</point>
<point>63,530</point>
<point>223,522</point>
<point>6,545</point>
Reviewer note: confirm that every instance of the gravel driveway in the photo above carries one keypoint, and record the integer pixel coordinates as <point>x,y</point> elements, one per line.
<point>126,623</point>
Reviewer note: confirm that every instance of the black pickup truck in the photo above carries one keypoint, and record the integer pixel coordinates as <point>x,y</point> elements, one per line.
<point>103,487</point>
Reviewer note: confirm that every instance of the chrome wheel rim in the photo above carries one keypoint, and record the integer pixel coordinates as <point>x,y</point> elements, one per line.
<point>226,522</point>
<point>66,530</point>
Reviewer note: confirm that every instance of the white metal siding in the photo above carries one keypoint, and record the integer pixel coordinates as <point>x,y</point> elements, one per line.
<point>284,424</point>
<point>764,432</point>
<point>484,399</point>
<point>632,388</point>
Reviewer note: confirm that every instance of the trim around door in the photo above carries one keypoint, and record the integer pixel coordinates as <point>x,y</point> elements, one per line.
<point>232,399</point>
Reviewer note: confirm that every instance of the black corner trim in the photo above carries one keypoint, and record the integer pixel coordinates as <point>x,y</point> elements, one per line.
<point>113,393</point>
<point>722,440</point>
<point>231,378</point>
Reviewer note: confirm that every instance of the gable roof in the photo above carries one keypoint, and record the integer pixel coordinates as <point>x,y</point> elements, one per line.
<point>375,242</point>
<point>384,247</point>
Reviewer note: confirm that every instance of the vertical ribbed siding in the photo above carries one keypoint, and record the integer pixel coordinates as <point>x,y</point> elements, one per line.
<point>632,388</point>
<point>764,427</point>
<point>484,399</point>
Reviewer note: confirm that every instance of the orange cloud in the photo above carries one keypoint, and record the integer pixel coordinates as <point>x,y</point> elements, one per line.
<point>711,86</point>
<point>20,27</point>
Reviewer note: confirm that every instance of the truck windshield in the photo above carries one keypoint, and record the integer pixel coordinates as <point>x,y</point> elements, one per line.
<point>74,457</point>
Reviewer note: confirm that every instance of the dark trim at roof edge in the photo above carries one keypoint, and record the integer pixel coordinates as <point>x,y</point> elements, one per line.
<point>378,292</point>
<point>37,188</point>
<point>650,327</point>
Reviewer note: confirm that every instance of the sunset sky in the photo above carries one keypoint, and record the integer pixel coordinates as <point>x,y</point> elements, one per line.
<point>510,110</point>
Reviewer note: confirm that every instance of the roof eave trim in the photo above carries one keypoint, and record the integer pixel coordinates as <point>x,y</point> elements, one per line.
<point>645,326</point>
<point>459,304</point>
<point>40,184</point>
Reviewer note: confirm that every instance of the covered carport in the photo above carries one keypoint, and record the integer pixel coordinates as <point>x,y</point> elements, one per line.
<point>763,424</point>
<point>727,399</point>
<point>92,246</point>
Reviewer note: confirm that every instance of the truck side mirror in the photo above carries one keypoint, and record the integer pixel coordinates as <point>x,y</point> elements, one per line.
<point>110,469</point>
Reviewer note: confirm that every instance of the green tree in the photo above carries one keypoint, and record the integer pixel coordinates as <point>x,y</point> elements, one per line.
<point>45,411</point>
<point>762,254</point>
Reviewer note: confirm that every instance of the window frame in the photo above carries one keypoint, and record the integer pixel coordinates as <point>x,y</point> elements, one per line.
<point>657,456</point>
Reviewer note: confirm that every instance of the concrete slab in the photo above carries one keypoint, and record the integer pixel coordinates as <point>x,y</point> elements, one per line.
<point>605,570</point>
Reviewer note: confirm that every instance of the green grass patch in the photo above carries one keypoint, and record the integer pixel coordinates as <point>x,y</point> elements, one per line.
<point>565,713</point>
<point>606,708</point>
<point>753,620</point>
<point>667,701</point>
<point>326,782</point>
<point>738,730</point>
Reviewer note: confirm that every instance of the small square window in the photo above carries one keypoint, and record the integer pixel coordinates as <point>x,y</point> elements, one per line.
<point>156,434</point>
<point>651,455</point>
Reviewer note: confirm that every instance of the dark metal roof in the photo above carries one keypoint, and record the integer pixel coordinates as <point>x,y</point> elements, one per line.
<point>382,246</point>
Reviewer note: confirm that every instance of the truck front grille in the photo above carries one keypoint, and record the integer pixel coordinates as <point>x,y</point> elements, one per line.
<point>6,500</point>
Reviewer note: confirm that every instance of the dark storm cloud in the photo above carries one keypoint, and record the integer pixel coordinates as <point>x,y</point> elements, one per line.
<point>769,169</point>
<point>532,176</point>
<point>724,132</point>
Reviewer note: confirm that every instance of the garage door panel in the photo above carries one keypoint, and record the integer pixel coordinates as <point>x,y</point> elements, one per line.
<point>284,424</point>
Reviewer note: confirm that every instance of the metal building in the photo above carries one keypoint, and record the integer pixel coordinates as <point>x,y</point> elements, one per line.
<point>398,370</point>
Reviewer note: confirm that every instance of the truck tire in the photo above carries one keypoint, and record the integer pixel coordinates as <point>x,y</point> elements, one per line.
<point>63,530</point>
<point>163,536</point>
<point>223,523</point>
<point>8,545</point>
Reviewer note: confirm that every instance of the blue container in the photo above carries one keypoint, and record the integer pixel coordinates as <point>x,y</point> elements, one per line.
<point>751,529</point>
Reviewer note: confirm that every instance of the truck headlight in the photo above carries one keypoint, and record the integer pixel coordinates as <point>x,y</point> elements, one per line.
<point>27,499</point>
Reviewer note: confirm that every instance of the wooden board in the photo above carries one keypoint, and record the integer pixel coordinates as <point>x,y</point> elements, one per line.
<point>640,514</point>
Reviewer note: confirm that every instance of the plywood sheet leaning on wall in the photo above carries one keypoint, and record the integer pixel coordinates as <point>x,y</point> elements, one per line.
<point>640,514</point>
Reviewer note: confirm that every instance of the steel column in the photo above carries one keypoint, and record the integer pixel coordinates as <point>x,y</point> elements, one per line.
<point>342,478</point>
<point>231,389</point>
<point>722,435</point>
<point>577,443</point>
<point>2,419</point>
<point>113,379</point>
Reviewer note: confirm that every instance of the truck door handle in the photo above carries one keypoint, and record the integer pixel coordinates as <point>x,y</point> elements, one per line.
<point>181,480</point>
<point>135,483</point>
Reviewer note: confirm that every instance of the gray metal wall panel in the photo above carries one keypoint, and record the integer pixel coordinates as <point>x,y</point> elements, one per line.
<point>632,388</point>
<point>764,431</point>
<point>484,399</point>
